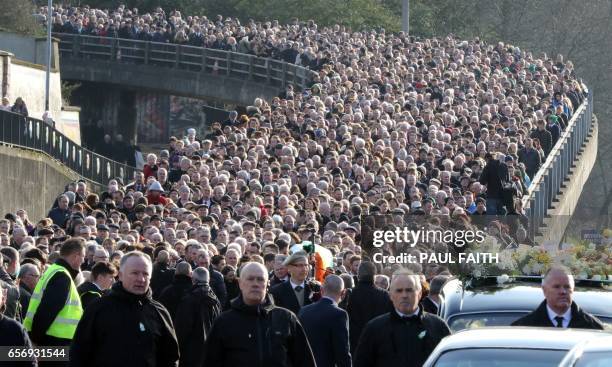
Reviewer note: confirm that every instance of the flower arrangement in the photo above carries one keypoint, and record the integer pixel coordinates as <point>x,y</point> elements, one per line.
<point>585,260</point>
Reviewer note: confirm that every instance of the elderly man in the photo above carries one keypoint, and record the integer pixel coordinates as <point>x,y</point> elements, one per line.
<point>295,293</point>
<point>558,309</point>
<point>127,327</point>
<point>28,277</point>
<point>405,336</point>
<point>254,332</point>
<point>280,273</point>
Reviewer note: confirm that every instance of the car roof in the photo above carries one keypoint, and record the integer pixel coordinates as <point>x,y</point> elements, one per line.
<point>518,337</point>
<point>519,296</point>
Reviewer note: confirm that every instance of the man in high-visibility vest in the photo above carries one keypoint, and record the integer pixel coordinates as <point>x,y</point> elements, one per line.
<point>55,306</point>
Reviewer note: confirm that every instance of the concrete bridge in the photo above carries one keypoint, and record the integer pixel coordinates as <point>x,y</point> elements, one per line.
<point>177,69</point>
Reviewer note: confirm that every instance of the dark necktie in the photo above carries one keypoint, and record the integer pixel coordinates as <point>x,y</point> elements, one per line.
<point>559,321</point>
<point>298,288</point>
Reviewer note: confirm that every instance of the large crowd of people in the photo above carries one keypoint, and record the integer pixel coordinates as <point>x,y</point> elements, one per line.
<point>212,242</point>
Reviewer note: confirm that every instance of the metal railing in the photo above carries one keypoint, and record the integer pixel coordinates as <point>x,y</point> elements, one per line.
<point>196,59</point>
<point>36,135</point>
<point>546,184</point>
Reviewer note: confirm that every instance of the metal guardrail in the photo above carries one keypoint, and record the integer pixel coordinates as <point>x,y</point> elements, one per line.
<point>36,135</point>
<point>546,184</point>
<point>191,58</point>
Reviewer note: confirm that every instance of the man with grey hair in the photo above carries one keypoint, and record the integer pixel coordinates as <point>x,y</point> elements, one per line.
<point>128,322</point>
<point>381,281</point>
<point>559,309</point>
<point>194,318</point>
<point>238,336</point>
<point>324,321</point>
<point>27,278</point>
<point>280,273</point>
<point>405,336</point>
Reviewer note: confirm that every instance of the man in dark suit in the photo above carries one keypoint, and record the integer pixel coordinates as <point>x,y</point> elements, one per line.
<point>432,302</point>
<point>326,325</point>
<point>405,336</point>
<point>295,293</point>
<point>366,302</point>
<point>558,309</point>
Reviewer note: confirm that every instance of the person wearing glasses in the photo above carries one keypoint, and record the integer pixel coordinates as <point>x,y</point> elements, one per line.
<point>27,278</point>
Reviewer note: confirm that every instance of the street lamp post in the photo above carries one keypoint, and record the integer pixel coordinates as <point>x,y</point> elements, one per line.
<point>49,52</point>
<point>406,16</point>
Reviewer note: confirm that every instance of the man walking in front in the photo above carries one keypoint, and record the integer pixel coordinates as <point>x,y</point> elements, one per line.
<point>558,309</point>
<point>126,327</point>
<point>256,333</point>
<point>405,336</point>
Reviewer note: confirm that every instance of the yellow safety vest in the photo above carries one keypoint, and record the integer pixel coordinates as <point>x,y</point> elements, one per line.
<point>65,323</point>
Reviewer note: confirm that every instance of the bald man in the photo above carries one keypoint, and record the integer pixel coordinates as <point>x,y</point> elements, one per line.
<point>558,309</point>
<point>254,332</point>
<point>326,325</point>
<point>405,336</point>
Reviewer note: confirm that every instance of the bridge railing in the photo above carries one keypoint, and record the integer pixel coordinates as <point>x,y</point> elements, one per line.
<point>191,58</point>
<point>35,134</point>
<point>546,184</point>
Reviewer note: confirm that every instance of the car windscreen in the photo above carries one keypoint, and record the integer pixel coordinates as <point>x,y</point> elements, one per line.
<point>478,320</point>
<point>595,359</point>
<point>500,357</point>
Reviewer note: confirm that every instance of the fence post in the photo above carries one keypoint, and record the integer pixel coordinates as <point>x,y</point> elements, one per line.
<point>284,79</point>
<point>204,58</point>
<point>177,61</point>
<point>228,64</point>
<point>76,43</point>
<point>147,52</point>
<point>251,60</point>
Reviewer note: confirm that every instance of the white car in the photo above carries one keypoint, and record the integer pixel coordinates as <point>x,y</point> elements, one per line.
<point>508,347</point>
<point>593,353</point>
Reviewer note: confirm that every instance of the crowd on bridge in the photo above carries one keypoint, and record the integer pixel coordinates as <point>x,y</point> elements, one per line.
<point>450,131</point>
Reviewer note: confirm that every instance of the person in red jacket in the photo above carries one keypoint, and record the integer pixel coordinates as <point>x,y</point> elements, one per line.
<point>154,194</point>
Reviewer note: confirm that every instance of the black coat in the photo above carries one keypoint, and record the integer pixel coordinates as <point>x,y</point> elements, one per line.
<point>366,302</point>
<point>195,315</point>
<point>326,326</point>
<point>491,176</point>
<point>545,138</point>
<point>25,294</point>
<point>14,334</point>
<point>172,294</point>
<point>284,296</point>
<point>125,329</point>
<point>89,292</point>
<point>217,283</point>
<point>390,341</point>
<point>580,319</point>
<point>257,336</point>
<point>429,306</point>
<point>161,278</point>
